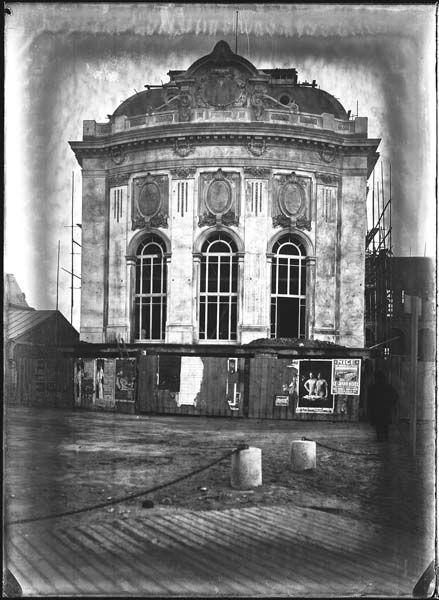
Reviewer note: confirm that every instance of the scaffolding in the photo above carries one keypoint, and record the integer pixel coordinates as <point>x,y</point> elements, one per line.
<point>378,284</point>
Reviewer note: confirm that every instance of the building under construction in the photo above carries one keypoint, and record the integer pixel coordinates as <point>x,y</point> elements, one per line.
<point>379,284</point>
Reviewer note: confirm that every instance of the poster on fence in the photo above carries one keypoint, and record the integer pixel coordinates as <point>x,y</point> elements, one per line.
<point>346,373</point>
<point>315,394</point>
<point>125,379</point>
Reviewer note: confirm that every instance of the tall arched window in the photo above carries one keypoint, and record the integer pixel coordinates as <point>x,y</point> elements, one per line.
<point>288,288</point>
<point>150,294</point>
<point>218,288</point>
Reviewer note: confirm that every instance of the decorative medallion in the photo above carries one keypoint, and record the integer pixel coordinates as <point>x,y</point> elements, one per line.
<point>292,205</point>
<point>218,199</point>
<point>291,199</point>
<point>256,147</point>
<point>150,202</point>
<point>221,88</point>
<point>183,148</point>
<point>219,195</point>
<point>117,155</point>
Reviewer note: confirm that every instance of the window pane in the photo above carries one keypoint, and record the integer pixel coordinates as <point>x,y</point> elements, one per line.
<point>303,279</point>
<point>211,319</point>
<point>146,277</point>
<point>294,279</point>
<point>273,317</point>
<point>212,275</point>
<point>302,332</point>
<point>233,319</point>
<point>224,318</point>
<point>137,318</point>
<point>273,277</point>
<point>156,323</point>
<point>224,274</point>
<point>202,318</point>
<point>145,332</point>
<point>138,272</point>
<point>288,317</point>
<point>282,278</point>
<point>203,276</point>
<point>234,276</point>
<point>156,276</point>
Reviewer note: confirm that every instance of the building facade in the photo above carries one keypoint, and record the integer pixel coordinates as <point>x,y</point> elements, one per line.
<point>225,206</point>
<point>222,210</point>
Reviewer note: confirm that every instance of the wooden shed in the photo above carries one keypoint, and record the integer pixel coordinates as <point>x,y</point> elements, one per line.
<point>38,365</point>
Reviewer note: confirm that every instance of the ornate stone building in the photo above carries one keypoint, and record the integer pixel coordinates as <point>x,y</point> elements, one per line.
<point>226,205</point>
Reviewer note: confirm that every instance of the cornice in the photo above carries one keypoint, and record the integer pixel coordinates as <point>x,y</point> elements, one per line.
<point>189,136</point>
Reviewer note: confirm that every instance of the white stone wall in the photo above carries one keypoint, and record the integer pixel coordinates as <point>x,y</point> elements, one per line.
<point>336,239</point>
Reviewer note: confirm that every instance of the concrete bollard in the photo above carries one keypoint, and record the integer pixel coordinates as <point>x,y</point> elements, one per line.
<point>246,469</point>
<point>302,455</point>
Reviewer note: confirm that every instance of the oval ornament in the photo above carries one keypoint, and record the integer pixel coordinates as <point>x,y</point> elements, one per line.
<point>291,199</point>
<point>219,197</point>
<point>149,200</point>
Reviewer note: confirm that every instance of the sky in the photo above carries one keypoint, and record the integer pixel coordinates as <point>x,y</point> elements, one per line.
<point>67,62</point>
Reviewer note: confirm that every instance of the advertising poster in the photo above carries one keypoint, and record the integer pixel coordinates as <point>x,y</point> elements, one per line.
<point>125,379</point>
<point>290,387</point>
<point>87,382</point>
<point>346,373</point>
<point>315,396</point>
<point>109,373</point>
<point>191,375</point>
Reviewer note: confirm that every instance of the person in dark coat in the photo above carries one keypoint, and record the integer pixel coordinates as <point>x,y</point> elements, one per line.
<point>382,397</point>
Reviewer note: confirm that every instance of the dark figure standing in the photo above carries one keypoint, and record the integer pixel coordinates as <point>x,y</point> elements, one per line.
<point>382,398</point>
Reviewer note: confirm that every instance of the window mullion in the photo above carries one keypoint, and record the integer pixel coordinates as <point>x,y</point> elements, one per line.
<point>218,298</point>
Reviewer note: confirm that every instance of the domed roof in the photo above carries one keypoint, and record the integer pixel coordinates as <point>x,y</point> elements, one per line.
<point>238,74</point>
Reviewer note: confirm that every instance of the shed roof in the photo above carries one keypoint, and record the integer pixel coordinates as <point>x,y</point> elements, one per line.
<point>20,321</point>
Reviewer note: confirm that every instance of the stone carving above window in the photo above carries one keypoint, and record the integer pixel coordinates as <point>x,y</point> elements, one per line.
<point>257,147</point>
<point>326,179</point>
<point>150,201</point>
<point>183,148</point>
<point>292,197</point>
<point>257,172</point>
<point>118,155</point>
<point>118,179</point>
<point>219,198</point>
<point>183,172</point>
<point>328,155</point>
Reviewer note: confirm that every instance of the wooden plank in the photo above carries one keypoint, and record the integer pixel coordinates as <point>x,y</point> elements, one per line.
<point>147,388</point>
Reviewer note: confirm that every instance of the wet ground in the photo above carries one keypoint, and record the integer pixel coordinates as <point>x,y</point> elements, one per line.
<point>57,461</point>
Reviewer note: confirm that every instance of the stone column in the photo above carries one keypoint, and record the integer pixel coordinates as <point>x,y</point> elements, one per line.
<point>310,263</point>
<point>130,304</point>
<point>93,255</point>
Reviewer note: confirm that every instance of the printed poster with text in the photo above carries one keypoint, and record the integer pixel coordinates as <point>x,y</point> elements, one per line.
<point>346,373</point>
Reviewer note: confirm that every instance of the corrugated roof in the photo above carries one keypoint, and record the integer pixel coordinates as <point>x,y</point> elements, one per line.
<point>21,321</point>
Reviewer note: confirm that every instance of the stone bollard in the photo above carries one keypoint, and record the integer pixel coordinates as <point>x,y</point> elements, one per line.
<point>302,455</point>
<point>246,469</point>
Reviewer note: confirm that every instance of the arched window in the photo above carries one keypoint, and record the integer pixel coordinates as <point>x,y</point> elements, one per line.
<point>218,288</point>
<point>150,291</point>
<point>288,288</point>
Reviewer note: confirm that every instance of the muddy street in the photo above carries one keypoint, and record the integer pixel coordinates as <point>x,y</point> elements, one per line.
<point>58,461</point>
